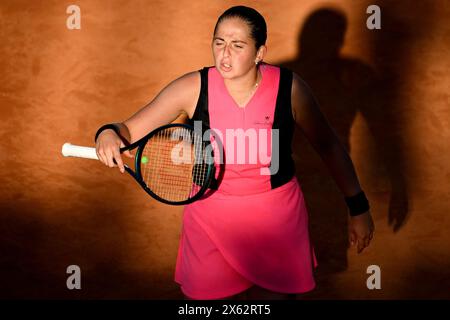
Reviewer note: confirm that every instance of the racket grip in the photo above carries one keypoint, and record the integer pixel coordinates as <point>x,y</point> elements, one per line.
<point>70,150</point>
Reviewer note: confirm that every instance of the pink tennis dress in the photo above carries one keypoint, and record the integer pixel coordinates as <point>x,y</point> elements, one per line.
<point>253,230</point>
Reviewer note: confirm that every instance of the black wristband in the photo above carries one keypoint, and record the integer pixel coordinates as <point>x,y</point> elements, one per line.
<point>111,126</point>
<point>357,204</point>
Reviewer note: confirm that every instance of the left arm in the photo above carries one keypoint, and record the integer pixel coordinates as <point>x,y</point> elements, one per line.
<point>324,140</point>
<point>322,137</point>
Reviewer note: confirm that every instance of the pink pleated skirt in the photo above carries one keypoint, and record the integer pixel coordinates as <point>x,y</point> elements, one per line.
<point>229,243</point>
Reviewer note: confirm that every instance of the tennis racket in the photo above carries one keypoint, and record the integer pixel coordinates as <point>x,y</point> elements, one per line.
<point>173,164</point>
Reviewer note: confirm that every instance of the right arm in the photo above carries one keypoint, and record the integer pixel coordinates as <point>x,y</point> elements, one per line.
<point>178,97</point>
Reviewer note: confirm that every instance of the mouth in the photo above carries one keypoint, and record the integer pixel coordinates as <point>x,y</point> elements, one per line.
<point>225,67</point>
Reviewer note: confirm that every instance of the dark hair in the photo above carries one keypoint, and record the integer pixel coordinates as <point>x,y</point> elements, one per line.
<point>256,22</point>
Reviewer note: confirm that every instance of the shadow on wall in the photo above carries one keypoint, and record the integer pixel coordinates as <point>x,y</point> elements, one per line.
<point>343,87</point>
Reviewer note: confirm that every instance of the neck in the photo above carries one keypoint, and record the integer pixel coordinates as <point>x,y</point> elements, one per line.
<point>246,82</point>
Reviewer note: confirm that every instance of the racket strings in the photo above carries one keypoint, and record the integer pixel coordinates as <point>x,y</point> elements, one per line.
<point>171,170</point>
<point>200,168</point>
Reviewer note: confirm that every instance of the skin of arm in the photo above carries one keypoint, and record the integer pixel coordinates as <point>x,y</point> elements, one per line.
<point>324,140</point>
<point>322,137</point>
<point>178,97</point>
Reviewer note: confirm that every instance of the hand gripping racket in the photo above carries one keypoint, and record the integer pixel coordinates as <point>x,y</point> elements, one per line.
<point>173,164</point>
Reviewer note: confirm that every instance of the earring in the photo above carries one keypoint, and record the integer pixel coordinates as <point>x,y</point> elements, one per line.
<point>256,62</point>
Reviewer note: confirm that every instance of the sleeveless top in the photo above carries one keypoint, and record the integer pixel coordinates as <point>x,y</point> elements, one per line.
<point>254,228</point>
<point>256,138</point>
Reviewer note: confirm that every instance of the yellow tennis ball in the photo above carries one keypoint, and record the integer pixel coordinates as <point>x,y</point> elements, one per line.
<point>144,159</point>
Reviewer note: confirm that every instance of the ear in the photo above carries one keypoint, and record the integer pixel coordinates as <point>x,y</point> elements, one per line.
<point>261,53</point>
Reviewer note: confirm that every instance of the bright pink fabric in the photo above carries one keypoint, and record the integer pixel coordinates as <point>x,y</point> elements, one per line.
<point>258,114</point>
<point>245,233</point>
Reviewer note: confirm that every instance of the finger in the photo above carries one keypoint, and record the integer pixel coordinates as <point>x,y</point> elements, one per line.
<point>360,248</point>
<point>367,242</point>
<point>102,157</point>
<point>97,152</point>
<point>125,152</point>
<point>128,154</point>
<point>109,159</point>
<point>361,245</point>
<point>118,159</point>
<point>352,238</point>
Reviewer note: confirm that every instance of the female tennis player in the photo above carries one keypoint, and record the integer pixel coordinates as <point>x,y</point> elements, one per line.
<point>249,238</point>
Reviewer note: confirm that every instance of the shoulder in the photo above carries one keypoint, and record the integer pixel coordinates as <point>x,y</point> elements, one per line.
<point>184,88</point>
<point>301,96</point>
<point>299,87</point>
<point>287,76</point>
<point>182,92</point>
<point>187,82</point>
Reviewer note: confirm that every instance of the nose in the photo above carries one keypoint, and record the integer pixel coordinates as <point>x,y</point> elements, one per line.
<point>226,50</point>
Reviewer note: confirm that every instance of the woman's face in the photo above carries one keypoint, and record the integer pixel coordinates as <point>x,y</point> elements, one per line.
<point>233,48</point>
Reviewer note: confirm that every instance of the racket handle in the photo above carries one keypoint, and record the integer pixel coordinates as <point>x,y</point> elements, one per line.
<point>70,150</point>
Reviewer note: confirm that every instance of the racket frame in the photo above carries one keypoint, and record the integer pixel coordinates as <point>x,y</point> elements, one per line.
<point>137,175</point>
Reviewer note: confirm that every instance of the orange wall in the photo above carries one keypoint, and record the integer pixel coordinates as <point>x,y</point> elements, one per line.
<point>386,94</point>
